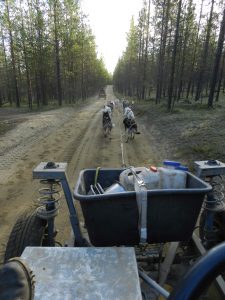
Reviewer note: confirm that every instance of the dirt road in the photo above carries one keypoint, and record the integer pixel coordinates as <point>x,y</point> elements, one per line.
<point>64,135</point>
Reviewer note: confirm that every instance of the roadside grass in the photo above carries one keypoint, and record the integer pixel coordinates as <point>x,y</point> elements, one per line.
<point>7,124</point>
<point>51,105</point>
<point>192,131</point>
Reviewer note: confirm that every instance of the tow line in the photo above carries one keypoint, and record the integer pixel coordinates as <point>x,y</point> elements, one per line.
<point>121,139</point>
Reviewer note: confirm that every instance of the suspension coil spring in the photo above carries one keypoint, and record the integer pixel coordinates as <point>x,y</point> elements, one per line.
<point>49,201</point>
<point>217,199</point>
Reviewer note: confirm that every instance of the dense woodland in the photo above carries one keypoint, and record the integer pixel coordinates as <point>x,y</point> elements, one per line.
<point>175,52</point>
<point>47,53</point>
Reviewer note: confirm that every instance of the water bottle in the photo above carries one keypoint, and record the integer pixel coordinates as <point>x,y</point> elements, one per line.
<point>170,164</point>
<point>182,168</point>
<point>126,178</point>
<point>172,175</point>
<point>150,177</point>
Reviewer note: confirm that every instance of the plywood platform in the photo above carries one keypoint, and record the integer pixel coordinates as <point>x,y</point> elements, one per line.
<point>84,273</point>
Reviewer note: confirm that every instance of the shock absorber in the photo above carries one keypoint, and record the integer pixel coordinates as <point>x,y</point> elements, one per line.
<point>216,203</point>
<point>48,205</point>
<point>212,171</point>
<point>54,176</point>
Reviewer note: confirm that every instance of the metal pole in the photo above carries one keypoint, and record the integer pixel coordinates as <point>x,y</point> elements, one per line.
<point>154,284</point>
<point>73,214</point>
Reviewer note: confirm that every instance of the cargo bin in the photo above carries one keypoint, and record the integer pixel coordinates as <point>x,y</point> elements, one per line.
<point>112,219</point>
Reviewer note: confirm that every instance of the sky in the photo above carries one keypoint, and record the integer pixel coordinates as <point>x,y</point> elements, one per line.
<point>110,22</point>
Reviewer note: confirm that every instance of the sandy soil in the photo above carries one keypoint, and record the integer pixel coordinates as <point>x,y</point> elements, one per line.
<point>64,135</point>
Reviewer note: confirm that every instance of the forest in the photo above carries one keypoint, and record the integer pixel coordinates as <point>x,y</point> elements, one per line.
<point>47,54</point>
<point>174,52</point>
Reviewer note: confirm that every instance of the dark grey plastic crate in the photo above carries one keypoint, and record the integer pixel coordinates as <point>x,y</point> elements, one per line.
<point>112,219</point>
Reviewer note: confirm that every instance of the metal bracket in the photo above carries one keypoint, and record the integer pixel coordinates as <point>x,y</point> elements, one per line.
<point>57,171</point>
<point>206,168</point>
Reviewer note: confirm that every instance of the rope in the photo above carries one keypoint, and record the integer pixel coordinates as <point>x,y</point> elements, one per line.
<point>121,143</point>
<point>96,175</point>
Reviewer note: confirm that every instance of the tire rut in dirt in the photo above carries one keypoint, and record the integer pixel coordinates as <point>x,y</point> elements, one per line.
<point>28,230</point>
<point>69,152</point>
<point>80,149</point>
<point>79,142</point>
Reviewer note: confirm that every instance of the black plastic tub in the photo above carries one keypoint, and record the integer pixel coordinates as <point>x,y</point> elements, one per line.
<point>112,219</point>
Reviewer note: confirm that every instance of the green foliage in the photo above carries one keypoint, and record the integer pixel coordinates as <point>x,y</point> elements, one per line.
<point>137,74</point>
<point>203,150</point>
<point>38,27</point>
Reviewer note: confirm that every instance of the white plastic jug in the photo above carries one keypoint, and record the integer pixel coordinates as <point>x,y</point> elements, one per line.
<point>150,177</point>
<point>172,178</point>
<point>127,180</point>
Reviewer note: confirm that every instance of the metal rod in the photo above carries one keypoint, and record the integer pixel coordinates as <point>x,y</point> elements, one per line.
<point>51,240</point>
<point>73,214</point>
<point>154,284</point>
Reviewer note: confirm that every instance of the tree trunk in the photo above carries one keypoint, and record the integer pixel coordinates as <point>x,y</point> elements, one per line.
<point>186,37</point>
<point>7,71</point>
<point>220,78</point>
<point>204,55</point>
<point>194,55</point>
<point>57,58</point>
<point>13,57</point>
<point>146,54</point>
<point>170,93</point>
<point>164,33</point>
<point>217,61</point>
<point>37,89</point>
<point>29,89</point>
<point>40,78</point>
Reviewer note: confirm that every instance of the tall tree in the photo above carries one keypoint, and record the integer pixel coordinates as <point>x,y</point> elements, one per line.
<point>12,51</point>
<point>217,61</point>
<point>220,77</point>
<point>196,44</point>
<point>6,67</point>
<point>161,61</point>
<point>40,52</point>
<point>145,60</point>
<point>188,23</point>
<point>204,54</point>
<point>171,84</point>
<point>56,8</point>
<point>25,54</point>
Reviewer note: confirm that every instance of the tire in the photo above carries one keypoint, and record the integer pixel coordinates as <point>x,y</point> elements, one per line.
<point>218,226</point>
<point>29,230</point>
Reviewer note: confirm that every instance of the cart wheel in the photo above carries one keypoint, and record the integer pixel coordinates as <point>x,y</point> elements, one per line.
<point>29,230</point>
<point>201,275</point>
<point>218,234</point>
